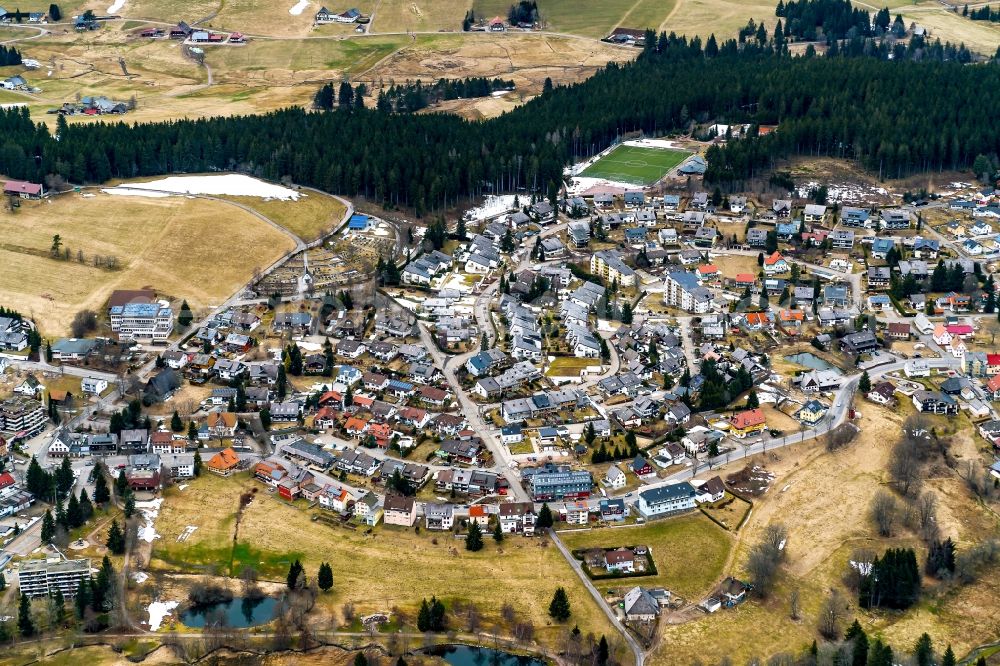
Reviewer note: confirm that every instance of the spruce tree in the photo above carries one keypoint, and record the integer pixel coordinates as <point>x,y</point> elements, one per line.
<point>948,659</point>
<point>865,383</point>
<point>101,492</point>
<point>176,425</point>
<point>86,507</point>
<point>121,484</point>
<point>116,539</point>
<point>544,520</point>
<point>324,577</point>
<point>923,652</point>
<point>25,625</point>
<point>48,527</point>
<point>559,607</point>
<point>474,540</point>
<point>498,533</point>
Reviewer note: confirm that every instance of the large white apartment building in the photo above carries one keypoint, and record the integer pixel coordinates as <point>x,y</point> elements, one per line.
<point>683,290</point>
<point>142,321</point>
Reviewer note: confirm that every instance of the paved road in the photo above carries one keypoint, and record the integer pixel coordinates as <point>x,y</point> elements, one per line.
<point>637,651</point>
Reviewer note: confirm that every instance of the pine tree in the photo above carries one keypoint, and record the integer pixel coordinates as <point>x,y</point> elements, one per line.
<point>603,652</point>
<point>498,533</point>
<point>265,418</point>
<point>58,608</point>
<point>3,582</point>
<point>176,425</point>
<point>865,383</point>
<point>25,625</point>
<point>559,608</point>
<point>544,520</point>
<point>295,572</point>
<point>474,540</point>
<point>948,659</point>
<point>753,402</point>
<point>424,616</point>
<point>82,599</point>
<point>73,517</point>
<point>116,539</point>
<point>923,652</point>
<point>48,527</point>
<point>857,636</point>
<point>129,504</point>
<point>101,492</point>
<point>121,484</point>
<point>324,577</point>
<point>86,507</point>
<point>192,433</point>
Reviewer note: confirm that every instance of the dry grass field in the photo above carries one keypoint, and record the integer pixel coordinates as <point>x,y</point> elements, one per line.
<point>724,18</point>
<point>176,245</point>
<point>388,568</point>
<point>823,500</point>
<point>588,19</point>
<point>419,15</point>
<point>312,215</point>
<point>673,541</point>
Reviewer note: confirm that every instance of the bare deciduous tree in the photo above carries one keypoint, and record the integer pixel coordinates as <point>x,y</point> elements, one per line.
<point>793,604</point>
<point>830,615</point>
<point>905,464</point>
<point>885,512</point>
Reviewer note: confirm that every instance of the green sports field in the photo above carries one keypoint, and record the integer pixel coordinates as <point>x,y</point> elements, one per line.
<point>635,165</point>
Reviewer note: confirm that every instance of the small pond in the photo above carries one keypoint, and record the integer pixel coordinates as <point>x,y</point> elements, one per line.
<point>240,612</point>
<point>810,361</point>
<point>468,655</point>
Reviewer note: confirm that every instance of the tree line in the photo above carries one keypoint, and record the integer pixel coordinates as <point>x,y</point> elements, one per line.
<point>415,95</point>
<point>9,56</point>
<point>897,117</point>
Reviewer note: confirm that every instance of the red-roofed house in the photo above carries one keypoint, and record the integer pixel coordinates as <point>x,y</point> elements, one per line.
<point>497,24</point>
<point>747,423</point>
<point>745,279</point>
<point>993,387</point>
<point>355,426</point>
<point>382,434</point>
<point>23,189</point>
<point>992,364</point>
<point>708,271</point>
<point>7,484</point>
<point>757,320</point>
<point>775,264</point>
<point>325,418</point>
<point>331,399</point>
<point>960,330</point>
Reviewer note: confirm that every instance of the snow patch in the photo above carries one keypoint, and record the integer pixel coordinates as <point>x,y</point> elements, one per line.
<point>231,184</point>
<point>864,568</point>
<point>651,143</point>
<point>149,510</point>
<point>294,11</point>
<point>126,192</point>
<point>182,486</point>
<point>116,6</point>
<point>159,610</point>
<point>493,205</point>
<point>140,577</point>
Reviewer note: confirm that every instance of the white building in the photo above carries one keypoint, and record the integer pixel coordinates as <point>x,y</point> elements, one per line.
<point>683,290</point>
<point>667,499</point>
<point>615,478</point>
<point>142,322</point>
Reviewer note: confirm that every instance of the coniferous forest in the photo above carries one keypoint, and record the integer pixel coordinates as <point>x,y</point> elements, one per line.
<point>922,110</point>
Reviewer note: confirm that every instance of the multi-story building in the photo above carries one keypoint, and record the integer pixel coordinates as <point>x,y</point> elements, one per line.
<point>21,414</point>
<point>552,482</point>
<point>665,500</point>
<point>610,266</point>
<point>40,578</point>
<point>684,291</point>
<point>142,321</point>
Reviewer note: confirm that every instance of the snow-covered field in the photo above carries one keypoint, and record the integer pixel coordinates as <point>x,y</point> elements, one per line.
<point>231,184</point>
<point>159,610</point>
<point>850,193</point>
<point>149,510</point>
<point>651,143</point>
<point>296,10</point>
<point>116,6</point>
<point>493,205</point>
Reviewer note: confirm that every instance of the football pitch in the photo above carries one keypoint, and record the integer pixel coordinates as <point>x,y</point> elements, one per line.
<point>635,165</point>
